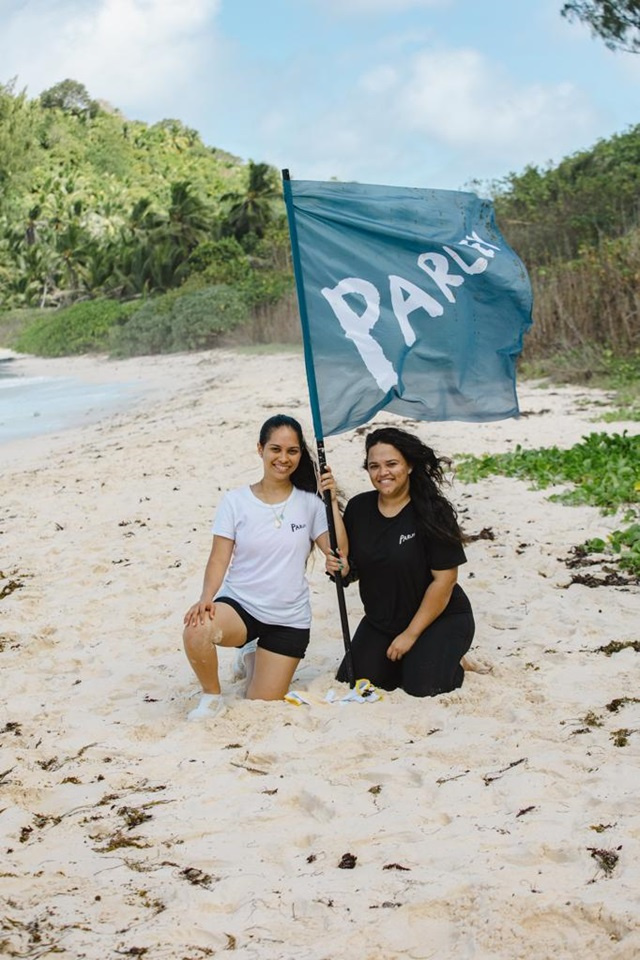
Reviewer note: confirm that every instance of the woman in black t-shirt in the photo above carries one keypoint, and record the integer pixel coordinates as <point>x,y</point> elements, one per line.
<point>405,547</point>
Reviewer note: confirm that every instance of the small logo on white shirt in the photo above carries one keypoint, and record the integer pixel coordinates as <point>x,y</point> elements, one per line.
<point>297,526</point>
<point>406,536</point>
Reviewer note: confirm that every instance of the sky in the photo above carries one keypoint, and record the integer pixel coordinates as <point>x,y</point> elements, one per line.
<point>450,94</point>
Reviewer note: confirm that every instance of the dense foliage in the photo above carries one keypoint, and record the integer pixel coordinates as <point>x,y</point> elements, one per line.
<point>555,214</point>
<point>577,228</point>
<point>94,206</point>
<point>82,328</point>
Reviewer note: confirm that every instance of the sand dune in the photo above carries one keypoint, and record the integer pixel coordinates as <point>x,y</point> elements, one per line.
<point>493,823</point>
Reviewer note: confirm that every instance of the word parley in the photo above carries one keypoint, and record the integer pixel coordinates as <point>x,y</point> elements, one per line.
<point>406,298</point>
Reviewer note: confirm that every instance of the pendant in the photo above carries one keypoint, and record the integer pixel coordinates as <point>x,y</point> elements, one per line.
<point>277,523</point>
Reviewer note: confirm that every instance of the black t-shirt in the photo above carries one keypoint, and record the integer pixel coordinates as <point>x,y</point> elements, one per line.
<point>393,560</point>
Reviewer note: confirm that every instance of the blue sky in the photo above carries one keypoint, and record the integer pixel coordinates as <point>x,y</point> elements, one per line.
<point>430,93</point>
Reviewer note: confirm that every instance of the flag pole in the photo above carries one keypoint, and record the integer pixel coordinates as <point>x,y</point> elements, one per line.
<point>317,420</point>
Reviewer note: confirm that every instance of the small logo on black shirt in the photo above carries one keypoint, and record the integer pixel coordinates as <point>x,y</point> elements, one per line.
<point>406,536</point>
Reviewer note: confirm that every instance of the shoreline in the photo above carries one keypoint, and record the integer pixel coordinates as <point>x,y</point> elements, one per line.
<point>475,818</point>
<point>141,382</point>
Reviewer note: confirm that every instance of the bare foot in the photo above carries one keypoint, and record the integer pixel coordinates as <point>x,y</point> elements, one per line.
<point>469,665</point>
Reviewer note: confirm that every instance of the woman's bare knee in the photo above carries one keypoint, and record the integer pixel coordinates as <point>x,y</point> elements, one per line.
<point>202,635</point>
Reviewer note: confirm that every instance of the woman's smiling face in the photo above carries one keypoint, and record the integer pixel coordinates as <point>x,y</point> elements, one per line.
<point>281,453</point>
<point>388,470</point>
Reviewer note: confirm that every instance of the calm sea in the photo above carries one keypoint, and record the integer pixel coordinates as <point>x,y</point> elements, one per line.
<point>31,406</point>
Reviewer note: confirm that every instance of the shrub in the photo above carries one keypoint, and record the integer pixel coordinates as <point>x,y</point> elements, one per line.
<point>199,318</point>
<point>266,288</point>
<point>14,321</point>
<point>147,331</point>
<point>220,261</point>
<point>176,322</point>
<point>81,328</point>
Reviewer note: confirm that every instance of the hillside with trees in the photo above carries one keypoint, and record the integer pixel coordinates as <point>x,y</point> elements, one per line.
<point>108,214</point>
<point>130,238</point>
<point>577,228</point>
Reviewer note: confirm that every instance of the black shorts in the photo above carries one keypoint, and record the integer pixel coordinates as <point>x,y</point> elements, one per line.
<point>287,641</point>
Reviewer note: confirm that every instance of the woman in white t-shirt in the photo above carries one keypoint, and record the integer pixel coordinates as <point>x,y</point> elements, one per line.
<point>255,587</point>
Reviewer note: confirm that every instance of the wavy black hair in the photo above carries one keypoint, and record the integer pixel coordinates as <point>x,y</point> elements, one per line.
<point>436,514</point>
<point>304,477</point>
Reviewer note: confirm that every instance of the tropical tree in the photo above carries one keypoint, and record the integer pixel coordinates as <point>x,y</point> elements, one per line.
<point>189,218</point>
<point>70,96</point>
<point>17,153</point>
<point>617,22</point>
<point>251,210</point>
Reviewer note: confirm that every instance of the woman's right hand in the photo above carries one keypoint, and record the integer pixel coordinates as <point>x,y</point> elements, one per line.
<point>198,612</point>
<point>328,482</point>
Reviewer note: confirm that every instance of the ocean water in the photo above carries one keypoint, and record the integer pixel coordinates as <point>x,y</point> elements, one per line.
<point>32,406</point>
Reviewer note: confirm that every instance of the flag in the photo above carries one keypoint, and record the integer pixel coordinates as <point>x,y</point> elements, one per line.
<point>411,301</point>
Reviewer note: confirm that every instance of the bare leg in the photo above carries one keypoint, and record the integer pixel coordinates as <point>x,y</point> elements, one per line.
<point>272,675</point>
<point>200,641</point>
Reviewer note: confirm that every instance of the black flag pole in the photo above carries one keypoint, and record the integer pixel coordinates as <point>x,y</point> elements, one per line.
<point>333,540</point>
<point>317,420</point>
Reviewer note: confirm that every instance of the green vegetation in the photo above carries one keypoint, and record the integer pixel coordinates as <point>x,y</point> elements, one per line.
<point>180,321</point>
<point>624,545</point>
<point>97,207</point>
<point>615,646</point>
<point>599,367</point>
<point>604,470</point>
<point>82,328</point>
<point>577,228</point>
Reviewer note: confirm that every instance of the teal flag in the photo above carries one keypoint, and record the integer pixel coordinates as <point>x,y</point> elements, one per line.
<point>410,301</point>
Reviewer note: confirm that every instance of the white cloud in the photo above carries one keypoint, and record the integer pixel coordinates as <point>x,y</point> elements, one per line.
<point>440,118</point>
<point>131,52</point>
<point>379,80</point>
<point>397,108</point>
<point>463,101</point>
<point>348,7</point>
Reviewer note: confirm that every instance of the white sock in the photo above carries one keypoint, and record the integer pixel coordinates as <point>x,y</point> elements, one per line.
<point>210,705</point>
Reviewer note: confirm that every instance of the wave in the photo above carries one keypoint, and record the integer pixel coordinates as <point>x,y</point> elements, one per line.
<point>9,381</point>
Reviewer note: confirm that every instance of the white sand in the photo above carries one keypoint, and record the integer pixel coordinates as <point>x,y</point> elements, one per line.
<point>126,831</point>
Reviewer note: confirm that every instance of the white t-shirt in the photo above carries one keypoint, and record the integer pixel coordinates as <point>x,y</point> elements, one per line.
<point>267,570</point>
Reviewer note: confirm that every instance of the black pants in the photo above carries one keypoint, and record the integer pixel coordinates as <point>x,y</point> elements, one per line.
<point>432,666</point>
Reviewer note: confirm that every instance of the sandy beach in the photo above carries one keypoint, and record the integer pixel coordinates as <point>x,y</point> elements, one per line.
<point>493,823</point>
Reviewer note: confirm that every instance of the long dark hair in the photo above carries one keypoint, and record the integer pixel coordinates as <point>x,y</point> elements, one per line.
<point>436,514</point>
<point>304,476</point>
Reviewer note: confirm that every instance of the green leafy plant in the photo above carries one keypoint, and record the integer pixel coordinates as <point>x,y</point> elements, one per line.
<point>198,319</point>
<point>179,321</point>
<point>623,545</point>
<point>81,328</point>
<point>626,543</point>
<point>604,469</point>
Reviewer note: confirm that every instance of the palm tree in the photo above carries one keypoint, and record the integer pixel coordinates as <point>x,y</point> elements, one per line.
<point>252,211</point>
<point>190,219</point>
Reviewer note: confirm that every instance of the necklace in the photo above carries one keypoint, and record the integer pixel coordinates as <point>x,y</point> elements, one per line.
<point>277,517</point>
<point>278,511</point>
